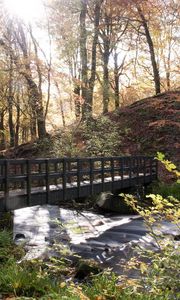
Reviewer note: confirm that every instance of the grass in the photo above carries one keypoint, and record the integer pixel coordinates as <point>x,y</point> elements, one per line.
<point>56,278</point>
<point>6,221</point>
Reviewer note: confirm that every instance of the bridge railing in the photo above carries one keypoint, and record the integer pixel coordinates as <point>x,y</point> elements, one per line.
<point>28,175</point>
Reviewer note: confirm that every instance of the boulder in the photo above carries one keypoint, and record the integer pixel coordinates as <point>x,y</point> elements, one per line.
<point>113,203</point>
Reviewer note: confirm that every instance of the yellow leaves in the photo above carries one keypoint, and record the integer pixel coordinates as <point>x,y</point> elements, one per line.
<point>168,164</point>
<point>177,173</point>
<point>134,284</point>
<point>170,217</point>
<point>151,220</point>
<point>100,297</point>
<point>62,284</point>
<point>17,284</point>
<point>160,156</point>
<point>133,263</point>
<point>77,290</point>
<point>143,267</point>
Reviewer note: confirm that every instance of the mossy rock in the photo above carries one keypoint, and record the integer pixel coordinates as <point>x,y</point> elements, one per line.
<point>86,268</point>
<point>113,203</point>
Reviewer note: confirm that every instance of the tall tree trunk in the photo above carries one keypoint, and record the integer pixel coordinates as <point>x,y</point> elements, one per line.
<point>168,69</point>
<point>105,80</point>
<point>151,49</point>
<point>88,84</point>
<point>77,102</point>
<point>83,55</point>
<point>105,53</point>
<point>34,93</point>
<point>36,103</point>
<point>91,82</point>
<point>116,80</point>
<point>10,105</point>
<point>17,121</point>
<point>2,132</point>
<point>33,125</point>
<point>25,134</point>
<point>61,105</point>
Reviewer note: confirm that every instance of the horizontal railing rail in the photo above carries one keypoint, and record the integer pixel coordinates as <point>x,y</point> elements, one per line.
<point>25,176</point>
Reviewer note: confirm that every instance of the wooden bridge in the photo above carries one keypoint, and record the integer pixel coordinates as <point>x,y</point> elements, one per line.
<point>29,182</point>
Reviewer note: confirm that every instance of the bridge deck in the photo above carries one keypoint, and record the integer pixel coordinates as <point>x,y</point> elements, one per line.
<point>49,181</point>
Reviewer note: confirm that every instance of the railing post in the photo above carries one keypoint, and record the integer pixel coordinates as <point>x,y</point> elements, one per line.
<point>112,172</point>
<point>64,178</point>
<point>91,175</point>
<point>47,181</point>
<point>55,170</point>
<point>40,170</point>
<point>28,166</point>
<point>156,166</point>
<point>102,173</point>
<point>130,170</point>
<point>78,177</point>
<point>137,169</point>
<point>1,174</point>
<point>122,171</point>
<point>6,183</point>
<point>22,173</point>
<point>69,170</point>
<point>144,169</point>
<point>151,164</point>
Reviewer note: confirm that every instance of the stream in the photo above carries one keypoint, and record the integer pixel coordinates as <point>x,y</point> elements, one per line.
<point>107,238</point>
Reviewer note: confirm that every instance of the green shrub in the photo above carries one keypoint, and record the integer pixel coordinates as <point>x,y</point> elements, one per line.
<point>101,137</point>
<point>167,190</point>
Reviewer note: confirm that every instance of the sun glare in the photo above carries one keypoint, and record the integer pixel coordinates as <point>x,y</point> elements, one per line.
<point>26,9</point>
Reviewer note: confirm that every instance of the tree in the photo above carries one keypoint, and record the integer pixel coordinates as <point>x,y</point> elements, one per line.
<point>22,62</point>
<point>151,49</point>
<point>88,81</point>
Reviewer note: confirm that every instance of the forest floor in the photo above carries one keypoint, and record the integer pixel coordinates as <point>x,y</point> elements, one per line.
<point>151,125</point>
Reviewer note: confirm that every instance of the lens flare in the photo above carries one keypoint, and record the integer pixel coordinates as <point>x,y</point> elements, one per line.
<point>25,9</point>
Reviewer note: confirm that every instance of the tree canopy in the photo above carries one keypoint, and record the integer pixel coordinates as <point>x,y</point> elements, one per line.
<point>81,58</point>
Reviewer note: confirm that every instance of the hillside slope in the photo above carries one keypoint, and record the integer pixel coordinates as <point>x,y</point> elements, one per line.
<point>151,125</point>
